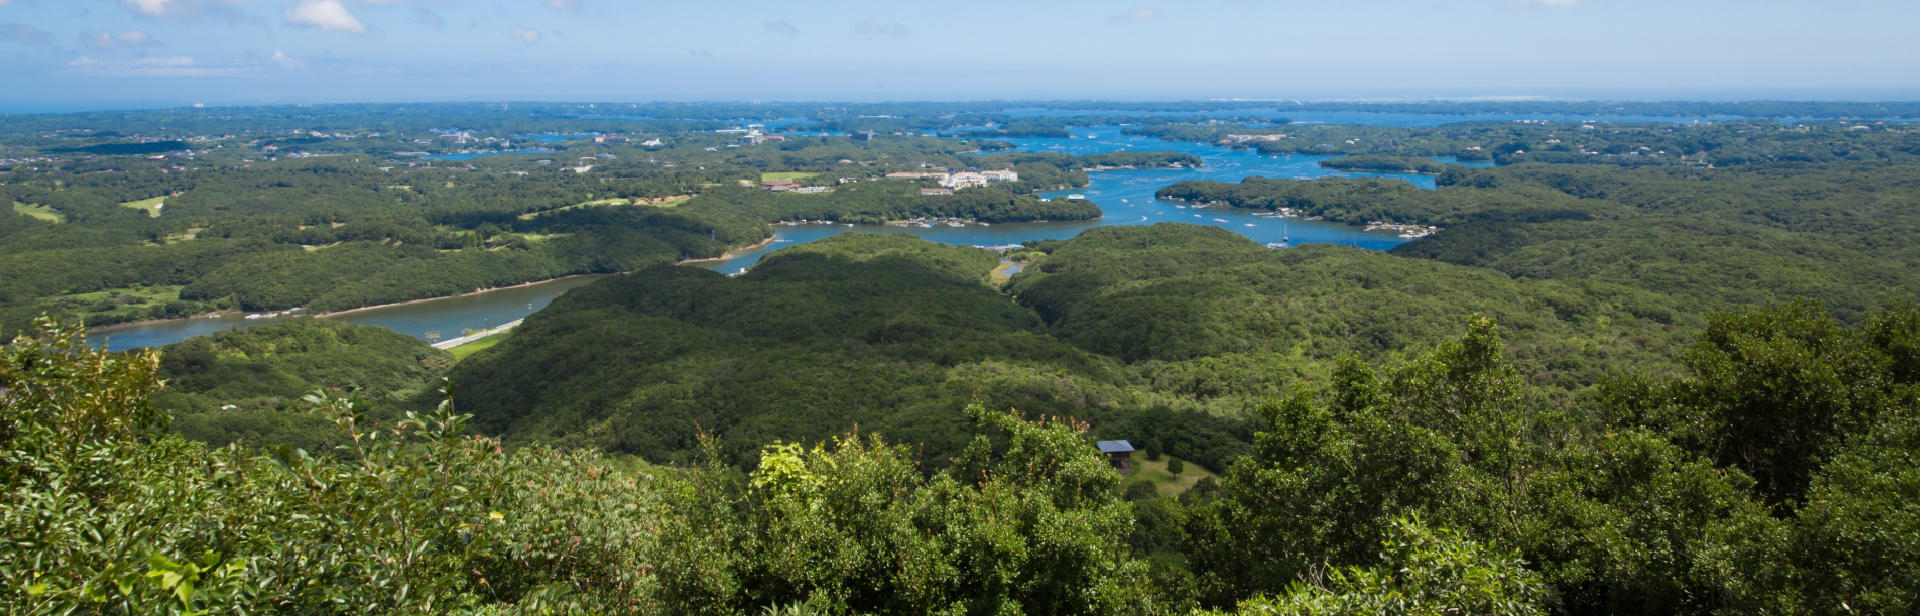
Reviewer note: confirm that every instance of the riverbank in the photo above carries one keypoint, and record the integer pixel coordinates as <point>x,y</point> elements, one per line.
<point>730,253</point>
<point>107,329</point>
<point>473,292</point>
<point>129,324</point>
<point>477,335</point>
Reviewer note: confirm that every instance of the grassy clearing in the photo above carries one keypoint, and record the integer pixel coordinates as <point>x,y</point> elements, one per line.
<point>787,175</point>
<point>1168,484</point>
<point>156,293</point>
<point>152,206</point>
<point>39,211</point>
<point>1001,274</point>
<point>465,350</point>
<point>115,305</point>
<point>664,201</point>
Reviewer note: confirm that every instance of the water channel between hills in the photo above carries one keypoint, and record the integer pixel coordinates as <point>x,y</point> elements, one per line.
<point>1125,197</point>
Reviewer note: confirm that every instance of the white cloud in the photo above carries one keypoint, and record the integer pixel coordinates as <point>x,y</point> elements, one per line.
<point>155,8</point>
<point>328,15</point>
<point>188,10</point>
<point>428,17</point>
<point>526,36</point>
<point>781,28</point>
<point>1135,16</point>
<point>21,33</point>
<point>566,6</point>
<point>286,62</point>
<point>108,40</point>
<point>872,27</point>
<point>169,66</point>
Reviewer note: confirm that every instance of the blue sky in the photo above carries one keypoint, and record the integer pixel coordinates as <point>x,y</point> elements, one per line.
<point>61,54</point>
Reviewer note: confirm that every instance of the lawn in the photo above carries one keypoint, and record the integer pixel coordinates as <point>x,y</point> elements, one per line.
<point>662,202</point>
<point>462,351</point>
<point>787,175</point>
<point>1169,484</point>
<point>152,206</point>
<point>39,211</point>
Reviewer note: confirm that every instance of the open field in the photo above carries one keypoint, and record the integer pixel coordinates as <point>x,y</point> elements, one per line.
<point>786,175</point>
<point>152,206</point>
<point>39,211</point>
<point>462,351</point>
<point>1169,484</point>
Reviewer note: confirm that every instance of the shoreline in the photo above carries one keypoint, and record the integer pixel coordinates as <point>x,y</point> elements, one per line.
<point>730,253</point>
<point>207,315</point>
<point>322,315</point>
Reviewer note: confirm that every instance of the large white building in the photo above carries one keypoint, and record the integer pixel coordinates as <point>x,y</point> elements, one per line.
<point>966,179</point>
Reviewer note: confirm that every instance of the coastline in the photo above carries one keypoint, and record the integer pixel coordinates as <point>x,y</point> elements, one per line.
<point>213,315</point>
<point>730,253</point>
<point>473,292</point>
<point>207,315</point>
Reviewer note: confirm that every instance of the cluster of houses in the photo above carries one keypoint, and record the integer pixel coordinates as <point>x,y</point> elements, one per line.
<point>1407,231</point>
<point>958,179</point>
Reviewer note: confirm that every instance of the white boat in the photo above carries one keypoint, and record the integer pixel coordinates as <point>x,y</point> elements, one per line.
<point>1219,220</point>
<point>1249,224</point>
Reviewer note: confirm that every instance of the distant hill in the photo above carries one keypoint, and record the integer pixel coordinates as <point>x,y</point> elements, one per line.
<point>247,385</point>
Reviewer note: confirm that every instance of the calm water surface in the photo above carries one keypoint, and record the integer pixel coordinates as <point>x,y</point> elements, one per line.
<point>1125,197</point>
<point>443,318</point>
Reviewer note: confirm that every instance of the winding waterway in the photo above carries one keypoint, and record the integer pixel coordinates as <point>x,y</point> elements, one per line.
<point>1124,196</point>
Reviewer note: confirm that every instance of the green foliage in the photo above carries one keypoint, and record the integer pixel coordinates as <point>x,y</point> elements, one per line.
<point>1422,571</point>
<point>1776,392</point>
<point>1029,522</point>
<point>886,332</point>
<point>1358,201</point>
<point>1207,313</point>
<point>1375,162</point>
<point>245,386</point>
<point>1175,466</point>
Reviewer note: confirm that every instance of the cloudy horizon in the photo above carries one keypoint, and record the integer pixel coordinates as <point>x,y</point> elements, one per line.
<point>101,54</point>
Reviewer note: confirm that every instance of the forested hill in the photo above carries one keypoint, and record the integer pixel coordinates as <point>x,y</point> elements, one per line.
<point>882,332</point>
<point>1572,447</point>
<point>246,386</point>
<point>1171,330</point>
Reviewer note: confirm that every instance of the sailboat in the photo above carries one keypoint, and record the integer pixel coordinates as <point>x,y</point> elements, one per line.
<point>1283,243</point>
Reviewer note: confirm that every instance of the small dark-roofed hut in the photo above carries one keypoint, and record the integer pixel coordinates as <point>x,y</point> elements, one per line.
<point>1119,454</point>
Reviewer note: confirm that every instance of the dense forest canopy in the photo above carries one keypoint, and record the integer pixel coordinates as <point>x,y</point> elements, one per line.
<point>1637,368</point>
